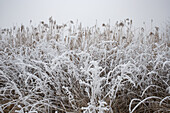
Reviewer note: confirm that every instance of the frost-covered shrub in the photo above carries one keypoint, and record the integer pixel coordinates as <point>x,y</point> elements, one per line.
<point>69,68</point>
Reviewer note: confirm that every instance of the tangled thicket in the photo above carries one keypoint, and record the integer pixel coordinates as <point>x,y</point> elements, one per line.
<point>69,68</point>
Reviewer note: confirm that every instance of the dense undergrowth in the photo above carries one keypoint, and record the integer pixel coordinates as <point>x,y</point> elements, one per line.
<point>69,68</point>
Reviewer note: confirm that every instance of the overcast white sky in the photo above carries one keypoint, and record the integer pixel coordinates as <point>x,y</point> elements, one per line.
<point>87,11</point>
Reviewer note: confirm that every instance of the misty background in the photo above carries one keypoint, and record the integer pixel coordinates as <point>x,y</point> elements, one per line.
<point>16,12</point>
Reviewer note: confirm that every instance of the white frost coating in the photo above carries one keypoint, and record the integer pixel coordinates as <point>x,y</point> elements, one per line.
<point>168,89</point>
<point>70,68</point>
<point>1,110</point>
<point>168,97</point>
<point>16,89</point>
<point>131,111</point>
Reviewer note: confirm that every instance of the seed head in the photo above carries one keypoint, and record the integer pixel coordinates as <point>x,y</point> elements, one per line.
<point>130,21</point>
<point>157,28</point>
<point>71,22</point>
<point>121,24</point>
<point>127,19</point>
<point>42,22</point>
<point>123,37</point>
<point>151,33</point>
<point>142,29</point>
<point>103,25</point>
<point>54,22</point>
<point>22,28</point>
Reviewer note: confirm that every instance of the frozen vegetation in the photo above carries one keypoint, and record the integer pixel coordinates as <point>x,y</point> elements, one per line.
<point>51,68</point>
